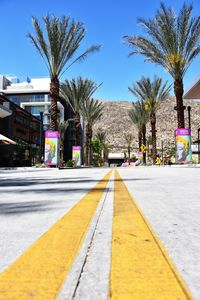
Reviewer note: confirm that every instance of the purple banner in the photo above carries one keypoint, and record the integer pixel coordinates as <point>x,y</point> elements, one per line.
<point>183,145</point>
<point>51,148</point>
<point>51,134</point>
<point>76,147</point>
<point>76,155</point>
<point>182,131</point>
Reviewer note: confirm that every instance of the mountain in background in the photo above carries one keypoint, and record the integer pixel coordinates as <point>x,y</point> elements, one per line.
<point>115,121</point>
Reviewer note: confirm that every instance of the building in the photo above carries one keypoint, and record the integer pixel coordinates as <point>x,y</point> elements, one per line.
<point>22,127</point>
<point>193,92</point>
<point>32,95</point>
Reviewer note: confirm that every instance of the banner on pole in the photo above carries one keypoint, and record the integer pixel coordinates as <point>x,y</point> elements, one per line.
<point>51,148</point>
<point>76,155</point>
<point>183,145</point>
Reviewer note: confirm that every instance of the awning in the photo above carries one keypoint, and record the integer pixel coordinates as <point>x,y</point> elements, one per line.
<point>6,140</point>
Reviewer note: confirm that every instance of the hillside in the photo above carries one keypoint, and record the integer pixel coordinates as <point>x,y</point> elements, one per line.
<point>116,123</point>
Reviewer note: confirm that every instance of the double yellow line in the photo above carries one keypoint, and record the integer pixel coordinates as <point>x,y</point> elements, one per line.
<point>140,270</point>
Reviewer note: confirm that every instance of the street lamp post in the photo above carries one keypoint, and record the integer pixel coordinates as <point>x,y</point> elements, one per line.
<point>41,135</point>
<point>189,116</point>
<point>162,149</point>
<point>199,146</point>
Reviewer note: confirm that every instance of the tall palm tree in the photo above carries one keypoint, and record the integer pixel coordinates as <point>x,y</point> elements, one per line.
<point>57,46</point>
<point>128,137</point>
<point>152,93</point>
<point>139,116</point>
<point>75,92</point>
<point>92,111</point>
<point>101,137</point>
<point>172,42</point>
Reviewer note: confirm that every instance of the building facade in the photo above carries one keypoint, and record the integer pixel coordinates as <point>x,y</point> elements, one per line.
<point>32,95</point>
<point>22,127</point>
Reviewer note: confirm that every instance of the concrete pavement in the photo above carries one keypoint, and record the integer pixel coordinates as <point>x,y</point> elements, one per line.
<point>31,202</point>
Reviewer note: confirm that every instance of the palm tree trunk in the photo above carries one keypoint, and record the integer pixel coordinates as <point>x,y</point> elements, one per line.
<point>88,145</point>
<point>54,94</point>
<point>178,90</point>
<point>139,139</point>
<point>153,130</point>
<point>129,155</point>
<point>144,143</point>
<point>77,128</point>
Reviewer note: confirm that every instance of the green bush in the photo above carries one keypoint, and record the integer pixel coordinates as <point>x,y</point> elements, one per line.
<point>69,163</point>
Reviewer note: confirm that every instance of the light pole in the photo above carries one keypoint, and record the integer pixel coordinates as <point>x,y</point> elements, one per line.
<point>198,146</point>
<point>162,149</point>
<point>41,136</point>
<point>189,116</point>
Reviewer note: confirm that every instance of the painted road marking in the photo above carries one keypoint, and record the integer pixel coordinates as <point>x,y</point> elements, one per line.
<point>41,270</point>
<point>141,268</point>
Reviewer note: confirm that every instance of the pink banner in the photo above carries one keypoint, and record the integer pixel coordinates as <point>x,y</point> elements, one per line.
<point>76,147</point>
<point>51,134</point>
<point>182,131</point>
<point>51,152</point>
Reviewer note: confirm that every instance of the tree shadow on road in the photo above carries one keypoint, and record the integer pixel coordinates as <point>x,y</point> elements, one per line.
<point>24,207</point>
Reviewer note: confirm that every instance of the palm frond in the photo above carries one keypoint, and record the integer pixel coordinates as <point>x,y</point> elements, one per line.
<point>59,43</point>
<point>172,41</point>
<point>76,91</point>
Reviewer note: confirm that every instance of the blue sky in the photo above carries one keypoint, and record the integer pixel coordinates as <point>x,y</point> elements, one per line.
<point>106,21</point>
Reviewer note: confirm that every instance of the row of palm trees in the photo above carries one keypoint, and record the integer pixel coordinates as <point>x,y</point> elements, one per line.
<point>171,41</point>
<point>149,94</point>
<point>77,93</point>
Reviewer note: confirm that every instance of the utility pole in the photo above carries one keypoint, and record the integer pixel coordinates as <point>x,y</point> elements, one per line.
<point>199,146</point>
<point>41,136</point>
<point>189,116</point>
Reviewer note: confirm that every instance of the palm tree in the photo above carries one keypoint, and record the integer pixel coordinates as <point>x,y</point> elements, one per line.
<point>105,147</point>
<point>172,42</point>
<point>92,111</point>
<point>152,93</point>
<point>101,137</point>
<point>129,139</point>
<point>75,92</point>
<point>57,46</point>
<point>139,116</point>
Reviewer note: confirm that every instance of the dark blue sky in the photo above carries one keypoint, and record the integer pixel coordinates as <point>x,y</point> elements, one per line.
<point>106,23</point>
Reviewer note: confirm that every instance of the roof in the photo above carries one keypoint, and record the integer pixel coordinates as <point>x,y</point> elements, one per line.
<point>194,91</point>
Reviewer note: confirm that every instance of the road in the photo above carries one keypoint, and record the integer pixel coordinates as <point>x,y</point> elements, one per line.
<point>32,201</point>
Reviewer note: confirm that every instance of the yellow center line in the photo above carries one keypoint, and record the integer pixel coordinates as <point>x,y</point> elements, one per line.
<point>41,270</point>
<point>141,268</point>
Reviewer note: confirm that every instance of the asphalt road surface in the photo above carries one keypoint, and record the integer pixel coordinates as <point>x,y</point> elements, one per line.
<point>33,200</point>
